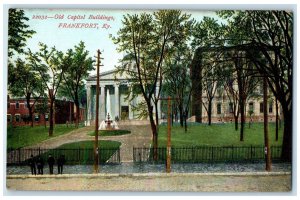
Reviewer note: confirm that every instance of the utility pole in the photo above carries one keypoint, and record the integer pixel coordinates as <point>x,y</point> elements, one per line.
<point>266,128</point>
<point>168,160</point>
<point>96,148</point>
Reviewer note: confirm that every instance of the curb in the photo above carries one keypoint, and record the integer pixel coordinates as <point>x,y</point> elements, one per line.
<point>175,174</point>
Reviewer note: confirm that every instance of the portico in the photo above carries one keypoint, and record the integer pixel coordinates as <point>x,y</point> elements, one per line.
<point>120,92</point>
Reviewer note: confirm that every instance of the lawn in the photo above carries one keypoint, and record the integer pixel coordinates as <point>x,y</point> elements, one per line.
<point>25,135</point>
<point>103,144</point>
<point>218,135</point>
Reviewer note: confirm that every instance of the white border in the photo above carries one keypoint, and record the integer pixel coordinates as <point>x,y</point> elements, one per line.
<point>114,4</point>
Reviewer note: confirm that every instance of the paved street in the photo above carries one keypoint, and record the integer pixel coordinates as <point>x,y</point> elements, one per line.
<point>193,182</point>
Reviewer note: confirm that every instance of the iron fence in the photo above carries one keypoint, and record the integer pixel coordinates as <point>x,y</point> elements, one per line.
<point>73,156</point>
<point>206,154</point>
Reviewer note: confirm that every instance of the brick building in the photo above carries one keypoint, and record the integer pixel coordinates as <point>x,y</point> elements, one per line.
<point>18,113</point>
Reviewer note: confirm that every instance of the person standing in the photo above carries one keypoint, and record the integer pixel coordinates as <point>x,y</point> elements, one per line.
<point>51,163</point>
<point>60,163</point>
<point>40,165</point>
<point>32,165</point>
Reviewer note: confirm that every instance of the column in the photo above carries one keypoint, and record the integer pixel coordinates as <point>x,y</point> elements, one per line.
<point>130,106</point>
<point>117,101</point>
<point>89,105</point>
<point>158,103</point>
<point>102,103</point>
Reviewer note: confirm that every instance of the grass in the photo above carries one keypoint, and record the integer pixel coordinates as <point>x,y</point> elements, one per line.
<point>110,132</point>
<point>218,135</point>
<point>103,144</point>
<point>23,136</point>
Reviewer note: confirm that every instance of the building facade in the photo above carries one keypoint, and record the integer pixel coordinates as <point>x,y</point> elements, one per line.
<point>120,93</point>
<point>18,113</point>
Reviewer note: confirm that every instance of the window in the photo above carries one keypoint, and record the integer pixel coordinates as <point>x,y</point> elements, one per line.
<point>251,107</point>
<point>26,105</point>
<point>36,118</point>
<point>8,118</point>
<point>218,108</point>
<point>17,105</point>
<point>17,117</point>
<point>261,107</point>
<point>271,107</point>
<point>230,107</point>
<point>46,117</point>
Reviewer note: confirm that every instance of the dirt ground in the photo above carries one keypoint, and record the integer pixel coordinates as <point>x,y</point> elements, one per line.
<point>153,183</point>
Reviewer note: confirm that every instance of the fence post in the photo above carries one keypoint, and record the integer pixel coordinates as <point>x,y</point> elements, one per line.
<point>19,156</point>
<point>232,153</point>
<point>212,154</point>
<point>251,153</point>
<point>39,151</point>
<point>119,156</point>
<point>79,155</point>
<point>193,154</point>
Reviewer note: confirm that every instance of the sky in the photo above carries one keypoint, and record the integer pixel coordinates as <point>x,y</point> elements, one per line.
<point>54,28</point>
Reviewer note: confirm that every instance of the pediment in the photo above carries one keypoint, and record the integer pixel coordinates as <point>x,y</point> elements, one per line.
<point>109,75</point>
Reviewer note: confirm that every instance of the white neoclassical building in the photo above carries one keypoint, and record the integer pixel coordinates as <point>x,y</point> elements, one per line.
<point>118,86</point>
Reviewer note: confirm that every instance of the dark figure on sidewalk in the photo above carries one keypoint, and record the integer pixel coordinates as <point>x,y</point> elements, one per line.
<point>60,163</point>
<point>51,163</point>
<point>40,165</point>
<point>31,163</point>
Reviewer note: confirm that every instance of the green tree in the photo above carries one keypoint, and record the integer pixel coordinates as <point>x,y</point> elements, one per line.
<point>73,78</point>
<point>18,31</point>
<point>271,42</point>
<point>208,35</point>
<point>145,40</point>
<point>177,82</point>
<point>23,81</point>
<point>51,65</point>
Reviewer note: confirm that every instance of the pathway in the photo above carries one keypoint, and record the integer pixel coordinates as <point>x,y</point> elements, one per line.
<point>140,136</point>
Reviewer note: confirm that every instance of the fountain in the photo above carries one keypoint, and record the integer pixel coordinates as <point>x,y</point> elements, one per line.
<point>108,124</point>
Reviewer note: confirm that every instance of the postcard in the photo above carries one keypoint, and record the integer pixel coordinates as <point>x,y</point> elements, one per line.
<point>149,100</point>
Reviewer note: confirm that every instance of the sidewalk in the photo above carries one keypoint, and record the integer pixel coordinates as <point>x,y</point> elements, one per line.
<point>155,182</point>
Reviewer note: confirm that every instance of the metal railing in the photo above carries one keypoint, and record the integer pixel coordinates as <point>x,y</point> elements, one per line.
<point>77,156</point>
<point>206,154</point>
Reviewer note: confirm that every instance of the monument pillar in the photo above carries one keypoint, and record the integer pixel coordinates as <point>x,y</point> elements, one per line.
<point>117,101</point>
<point>89,105</point>
<point>102,102</point>
<point>130,106</point>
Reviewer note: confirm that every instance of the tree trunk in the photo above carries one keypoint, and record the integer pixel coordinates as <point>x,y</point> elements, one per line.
<point>277,116</point>
<point>45,120</point>
<point>51,112</point>
<point>209,111</point>
<point>77,113</point>
<point>196,76</point>
<point>181,114</point>
<point>156,118</point>
<point>154,132</point>
<point>51,117</point>
<point>236,121</point>
<point>242,109</point>
<point>185,118</point>
<point>28,97</point>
